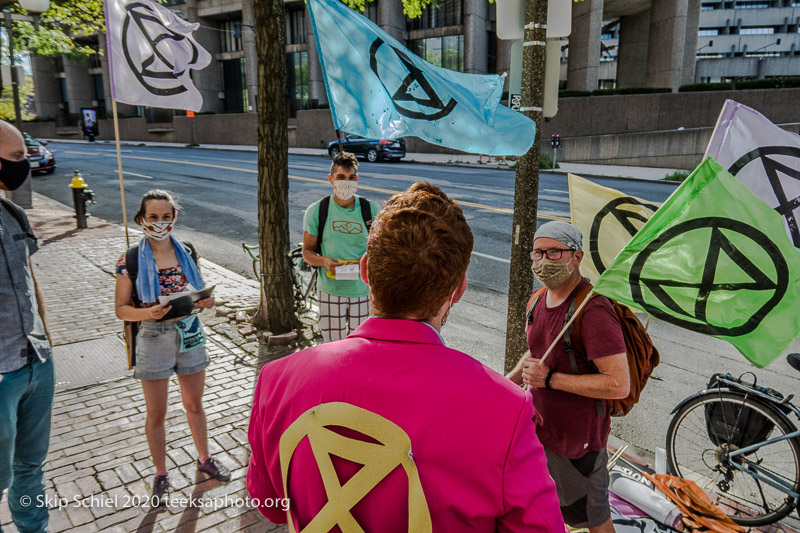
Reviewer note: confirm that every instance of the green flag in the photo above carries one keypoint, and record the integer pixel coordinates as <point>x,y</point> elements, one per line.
<point>714,259</point>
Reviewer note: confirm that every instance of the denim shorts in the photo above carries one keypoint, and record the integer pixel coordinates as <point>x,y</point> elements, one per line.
<point>158,353</point>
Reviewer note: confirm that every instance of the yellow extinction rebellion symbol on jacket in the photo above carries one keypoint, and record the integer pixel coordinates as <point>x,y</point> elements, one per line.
<point>393,449</point>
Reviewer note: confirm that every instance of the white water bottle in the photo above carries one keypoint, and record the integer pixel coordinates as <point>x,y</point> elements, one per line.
<point>657,506</point>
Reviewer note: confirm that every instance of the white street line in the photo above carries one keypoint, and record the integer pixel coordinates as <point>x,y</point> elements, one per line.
<point>501,259</point>
<point>137,175</point>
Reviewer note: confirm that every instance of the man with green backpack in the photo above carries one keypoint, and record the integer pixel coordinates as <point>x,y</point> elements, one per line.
<point>335,231</point>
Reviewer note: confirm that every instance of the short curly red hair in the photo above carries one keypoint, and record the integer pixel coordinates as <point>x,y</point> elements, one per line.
<point>418,251</point>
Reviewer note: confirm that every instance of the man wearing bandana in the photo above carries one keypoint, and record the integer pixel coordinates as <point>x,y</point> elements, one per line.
<point>569,391</point>
<point>343,303</point>
<point>27,379</point>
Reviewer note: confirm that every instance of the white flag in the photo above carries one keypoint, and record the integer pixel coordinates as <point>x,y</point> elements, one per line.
<point>151,53</point>
<point>763,156</point>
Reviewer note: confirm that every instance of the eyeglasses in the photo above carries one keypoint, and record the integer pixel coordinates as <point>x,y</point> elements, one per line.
<point>551,253</point>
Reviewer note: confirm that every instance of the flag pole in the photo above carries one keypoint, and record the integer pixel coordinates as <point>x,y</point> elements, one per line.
<point>339,138</point>
<point>119,168</point>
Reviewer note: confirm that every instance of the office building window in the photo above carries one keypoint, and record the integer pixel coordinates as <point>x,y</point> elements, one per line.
<point>296,24</point>
<point>757,31</point>
<point>371,10</point>
<point>491,53</point>
<point>706,32</point>
<point>230,36</point>
<point>751,5</point>
<point>447,52</point>
<point>297,82</point>
<point>99,95</point>
<point>444,13</point>
<point>235,87</point>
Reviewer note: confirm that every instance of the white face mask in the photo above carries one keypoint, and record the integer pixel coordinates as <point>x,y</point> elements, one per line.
<point>158,230</point>
<point>345,189</point>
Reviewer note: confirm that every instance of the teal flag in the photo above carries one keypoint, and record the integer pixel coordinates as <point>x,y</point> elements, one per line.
<point>714,259</point>
<point>377,88</point>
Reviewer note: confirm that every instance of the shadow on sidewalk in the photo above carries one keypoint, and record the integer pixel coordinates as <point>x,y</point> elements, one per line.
<point>188,520</point>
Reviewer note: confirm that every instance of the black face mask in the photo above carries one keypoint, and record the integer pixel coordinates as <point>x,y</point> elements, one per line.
<point>14,173</point>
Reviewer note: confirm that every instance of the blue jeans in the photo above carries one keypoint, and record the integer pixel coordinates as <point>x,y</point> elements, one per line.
<point>26,403</point>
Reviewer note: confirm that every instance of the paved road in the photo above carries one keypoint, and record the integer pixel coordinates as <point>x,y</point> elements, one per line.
<point>218,191</point>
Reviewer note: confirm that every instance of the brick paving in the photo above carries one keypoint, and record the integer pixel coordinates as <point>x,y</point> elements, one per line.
<point>99,468</point>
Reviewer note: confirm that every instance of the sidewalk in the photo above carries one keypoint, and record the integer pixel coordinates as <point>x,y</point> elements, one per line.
<point>460,160</point>
<point>98,451</point>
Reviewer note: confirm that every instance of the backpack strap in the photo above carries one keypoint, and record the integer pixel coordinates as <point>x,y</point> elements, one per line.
<point>132,266</point>
<point>324,205</point>
<point>192,252</point>
<point>366,211</point>
<point>19,215</point>
<point>573,342</point>
<point>532,303</point>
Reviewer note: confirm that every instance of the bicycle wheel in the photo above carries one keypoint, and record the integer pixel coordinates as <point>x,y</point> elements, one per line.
<point>693,455</point>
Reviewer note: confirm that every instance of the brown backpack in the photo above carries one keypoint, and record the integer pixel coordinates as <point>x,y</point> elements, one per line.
<point>643,357</point>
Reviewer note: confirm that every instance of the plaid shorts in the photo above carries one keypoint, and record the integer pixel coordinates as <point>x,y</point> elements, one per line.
<point>338,314</point>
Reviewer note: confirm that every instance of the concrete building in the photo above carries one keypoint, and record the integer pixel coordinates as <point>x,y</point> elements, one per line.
<point>748,39</point>
<point>642,42</point>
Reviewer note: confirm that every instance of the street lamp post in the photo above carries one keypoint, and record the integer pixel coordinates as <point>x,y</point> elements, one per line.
<point>710,43</point>
<point>21,196</point>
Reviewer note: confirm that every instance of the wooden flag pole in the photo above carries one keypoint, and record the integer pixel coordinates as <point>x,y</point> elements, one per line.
<point>119,168</point>
<point>339,138</point>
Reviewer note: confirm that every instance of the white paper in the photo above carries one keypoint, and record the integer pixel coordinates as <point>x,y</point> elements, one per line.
<point>347,272</point>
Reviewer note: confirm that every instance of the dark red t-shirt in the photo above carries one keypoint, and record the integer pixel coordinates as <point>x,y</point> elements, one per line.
<point>569,424</point>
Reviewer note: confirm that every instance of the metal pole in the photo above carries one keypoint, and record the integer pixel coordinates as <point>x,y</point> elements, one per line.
<point>554,157</point>
<point>526,189</point>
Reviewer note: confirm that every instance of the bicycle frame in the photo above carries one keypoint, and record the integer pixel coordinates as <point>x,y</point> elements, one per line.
<point>770,479</point>
<point>753,469</point>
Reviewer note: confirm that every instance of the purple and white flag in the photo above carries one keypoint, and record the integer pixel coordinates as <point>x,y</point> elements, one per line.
<point>151,53</point>
<point>763,156</point>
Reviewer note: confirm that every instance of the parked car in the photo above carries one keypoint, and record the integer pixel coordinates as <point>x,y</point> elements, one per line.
<point>370,149</point>
<point>41,159</point>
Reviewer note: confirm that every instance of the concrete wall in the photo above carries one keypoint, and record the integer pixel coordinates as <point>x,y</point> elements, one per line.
<point>599,115</point>
<point>666,149</point>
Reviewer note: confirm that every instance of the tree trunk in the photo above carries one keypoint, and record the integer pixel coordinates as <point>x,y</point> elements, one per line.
<point>276,312</point>
<point>526,190</point>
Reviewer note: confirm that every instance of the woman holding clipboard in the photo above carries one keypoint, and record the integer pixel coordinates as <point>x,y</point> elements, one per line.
<point>166,344</point>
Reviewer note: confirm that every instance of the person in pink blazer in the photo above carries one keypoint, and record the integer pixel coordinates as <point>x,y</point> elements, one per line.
<point>389,430</point>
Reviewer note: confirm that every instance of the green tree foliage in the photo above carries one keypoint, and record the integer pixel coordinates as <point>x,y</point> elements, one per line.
<point>62,29</point>
<point>7,102</point>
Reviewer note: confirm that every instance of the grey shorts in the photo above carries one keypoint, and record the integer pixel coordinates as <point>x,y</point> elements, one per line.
<point>582,486</point>
<point>158,354</point>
